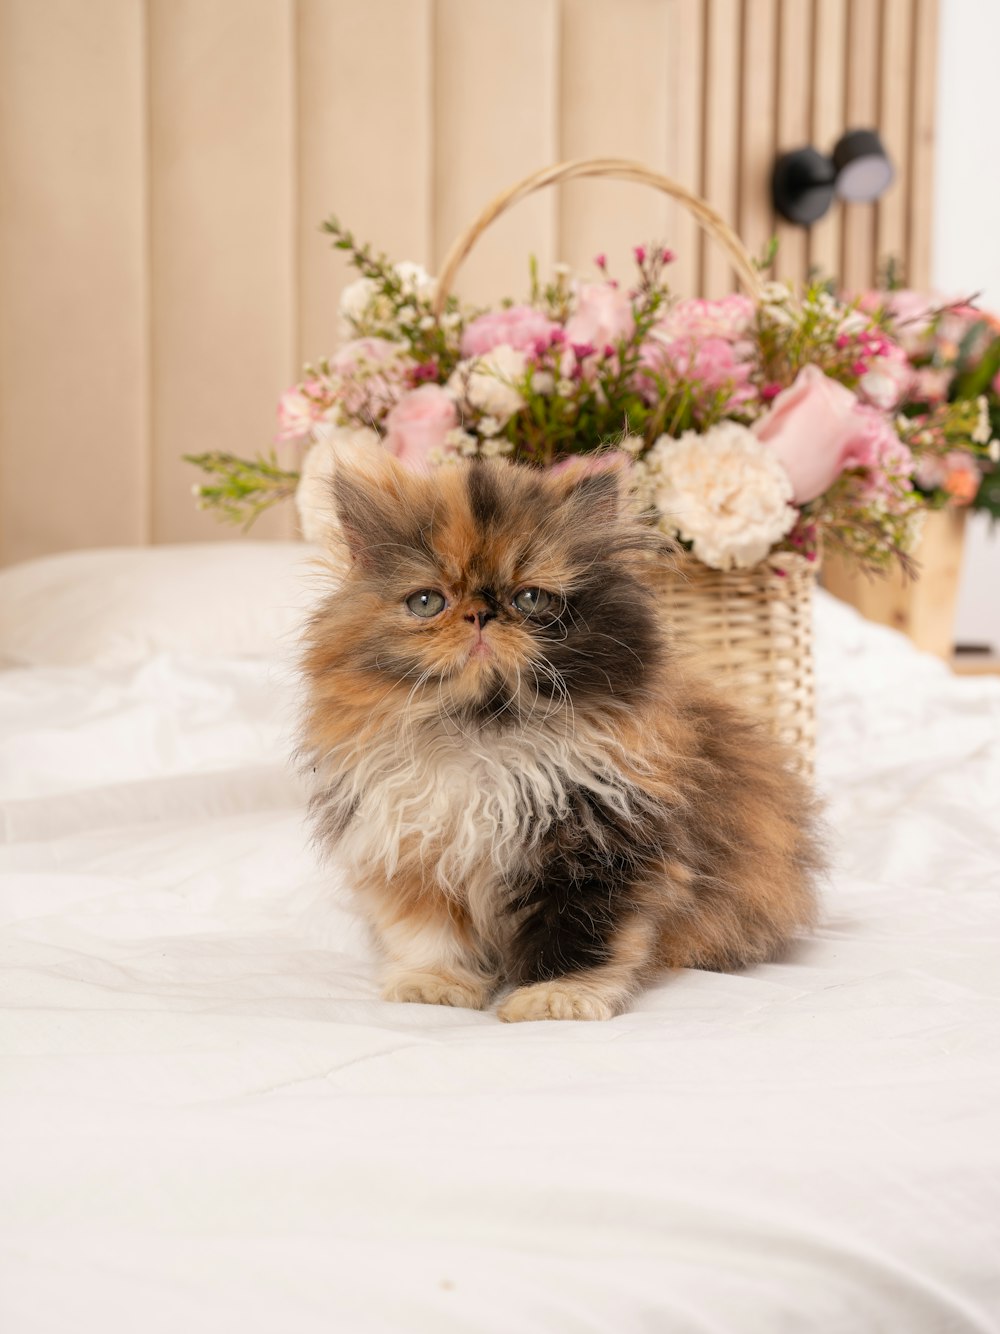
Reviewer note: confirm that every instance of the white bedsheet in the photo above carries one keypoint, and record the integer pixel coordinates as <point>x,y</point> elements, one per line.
<point>210,1122</point>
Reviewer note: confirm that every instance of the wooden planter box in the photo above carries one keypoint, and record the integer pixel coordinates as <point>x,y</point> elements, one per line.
<point>923,608</point>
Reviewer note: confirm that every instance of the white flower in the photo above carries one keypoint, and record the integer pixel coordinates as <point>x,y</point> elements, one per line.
<point>314,494</point>
<point>407,314</point>
<point>356,298</point>
<point>724,492</point>
<point>487,383</point>
<point>981,433</point>
<point>489,426</point>
<point>415,279</point>
<point>565,388</point>
<point>994,451</point>
<point>463,442</point>
<point>426,323</point>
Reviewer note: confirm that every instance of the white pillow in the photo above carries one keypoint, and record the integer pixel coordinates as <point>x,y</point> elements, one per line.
<point>116,607</point>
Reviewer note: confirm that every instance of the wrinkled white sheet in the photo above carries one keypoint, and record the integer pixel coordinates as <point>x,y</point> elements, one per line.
<point>210,1122</point>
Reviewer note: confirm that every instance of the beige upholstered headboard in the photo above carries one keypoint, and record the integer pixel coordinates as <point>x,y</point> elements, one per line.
<point>164,165</point>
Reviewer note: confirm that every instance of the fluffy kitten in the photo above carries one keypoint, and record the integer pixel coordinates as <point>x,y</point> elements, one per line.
<point>524,786</point>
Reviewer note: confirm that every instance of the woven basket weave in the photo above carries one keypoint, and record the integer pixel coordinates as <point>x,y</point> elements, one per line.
<point>748,631</point>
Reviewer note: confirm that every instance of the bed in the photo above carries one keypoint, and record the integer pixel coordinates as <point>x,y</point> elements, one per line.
<point>211,1121</point>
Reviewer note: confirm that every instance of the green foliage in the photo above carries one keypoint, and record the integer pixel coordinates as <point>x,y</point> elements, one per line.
<point>241,489</point>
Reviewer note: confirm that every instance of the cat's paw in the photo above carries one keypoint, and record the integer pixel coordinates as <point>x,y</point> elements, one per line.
<point>435,989</point>
<point>560,999</point>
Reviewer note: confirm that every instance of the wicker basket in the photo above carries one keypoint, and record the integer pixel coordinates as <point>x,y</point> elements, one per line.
<point>749,631</point>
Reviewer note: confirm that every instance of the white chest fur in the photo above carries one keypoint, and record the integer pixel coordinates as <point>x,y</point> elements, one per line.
<point>468,809</point>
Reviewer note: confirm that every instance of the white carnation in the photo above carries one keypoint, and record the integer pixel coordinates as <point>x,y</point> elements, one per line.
<point>487,383</point>
<point>314,493</point>
<point>724,492</point>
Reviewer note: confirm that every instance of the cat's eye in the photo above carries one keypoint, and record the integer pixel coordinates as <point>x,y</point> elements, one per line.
<point>426,603</point>
<point>531,600</point>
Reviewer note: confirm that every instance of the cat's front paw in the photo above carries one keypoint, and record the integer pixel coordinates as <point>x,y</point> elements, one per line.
<point>560,999</point>
<point>436,989</point>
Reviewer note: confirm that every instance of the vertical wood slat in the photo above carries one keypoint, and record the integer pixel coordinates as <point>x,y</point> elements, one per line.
<point>612,217</point>
<point>221,139</point>
<point>757,124</point>
<point>346,163</point>
<point>829,63</point>
<point>73,390</point>
<point>858,241</point>
<point>925,31</point>
<point>488,134</point>
<point>794,77</point>
<point>686,97</point>
<point>895,93</point>
<point>721,151</point>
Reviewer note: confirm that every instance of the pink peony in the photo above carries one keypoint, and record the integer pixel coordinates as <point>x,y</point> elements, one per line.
<point>696,319</point>
<point>713,363</point>
<point>603,315</point>
<point>817,428</point>
<point>517,326</point>
<point>418,425</point>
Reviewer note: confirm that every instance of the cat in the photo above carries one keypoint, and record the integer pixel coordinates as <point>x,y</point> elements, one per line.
<point>528,791</point>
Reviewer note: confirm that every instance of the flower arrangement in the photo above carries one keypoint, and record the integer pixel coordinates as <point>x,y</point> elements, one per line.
<point>951,398</point>
<point>753,426</point>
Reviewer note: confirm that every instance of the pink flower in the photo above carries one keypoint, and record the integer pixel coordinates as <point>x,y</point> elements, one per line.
<point>714,363</point>
<point>694,318</point>
<point>372,375</point>
<point>517,326</point>
<point>817,428</point>
<point>887,379</point>
<point>299,409</point>
<point>602,315</point>
<point>418,425</point>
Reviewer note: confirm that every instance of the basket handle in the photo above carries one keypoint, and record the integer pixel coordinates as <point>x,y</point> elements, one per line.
<point>618,169</point>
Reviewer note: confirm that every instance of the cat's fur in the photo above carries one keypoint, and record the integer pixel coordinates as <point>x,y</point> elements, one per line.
<point>563,810</point>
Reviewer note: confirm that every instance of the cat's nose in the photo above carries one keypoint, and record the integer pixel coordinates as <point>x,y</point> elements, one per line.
<point>481,616</point>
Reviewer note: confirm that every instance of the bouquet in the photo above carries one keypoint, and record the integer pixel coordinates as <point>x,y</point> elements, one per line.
<point>951,398</point>
<point>754,425</point>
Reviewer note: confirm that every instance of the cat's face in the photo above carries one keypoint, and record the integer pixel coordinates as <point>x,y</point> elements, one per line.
<point>493,593</point>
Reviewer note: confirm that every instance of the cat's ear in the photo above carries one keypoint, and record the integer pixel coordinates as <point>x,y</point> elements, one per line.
<point>370,500</point>
<point>593,485</point>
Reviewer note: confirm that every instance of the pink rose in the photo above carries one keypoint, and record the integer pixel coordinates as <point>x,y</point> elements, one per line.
<point>418,425</point>
<point>517,326</point>
<point>694,318</point>
<point>817,429</point>
<point>603,315</point>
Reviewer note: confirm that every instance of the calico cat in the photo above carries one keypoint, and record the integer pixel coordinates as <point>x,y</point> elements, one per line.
<point>525,787</point>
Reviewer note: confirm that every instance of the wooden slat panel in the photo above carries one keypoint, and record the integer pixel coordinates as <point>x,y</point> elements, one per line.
<point>794,129</point>
<point>72,251</point>
<point>925,27</point>
<point>857,268</point>
<point>685,90</point>
<point>489,132</point>
<point>757,123</point>
<point>222,163</point>
<point>600,216</point>
<point>828,112</point>
<point>362,155</point>
<point>895,93</point>
<point>722,110</point>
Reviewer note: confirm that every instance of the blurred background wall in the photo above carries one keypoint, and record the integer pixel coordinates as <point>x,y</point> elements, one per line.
<point>165,164</point>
